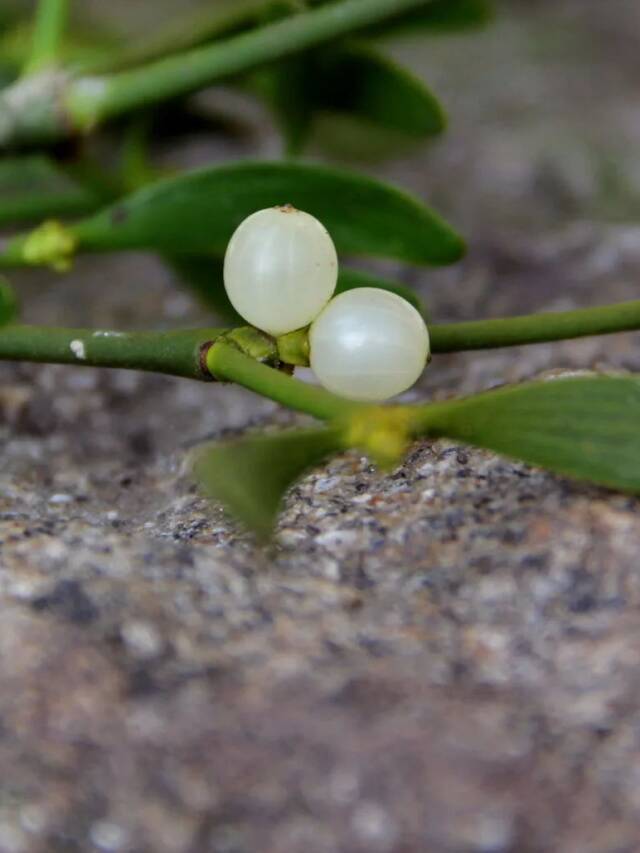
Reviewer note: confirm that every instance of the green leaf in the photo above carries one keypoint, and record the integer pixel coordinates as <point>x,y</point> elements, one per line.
<point>583,427</point>
<point>439,18</point>
<point>250,476</point>
<point>196,213</point>
<point>34,188</point>
<point>361,81</point>
<point>349,279</point>
<point>356,80</point>
<point>288,89</point>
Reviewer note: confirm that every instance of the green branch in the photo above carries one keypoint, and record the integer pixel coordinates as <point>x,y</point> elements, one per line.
<point>49,27</point>
<point>535,328</point>
<point>174,353</point>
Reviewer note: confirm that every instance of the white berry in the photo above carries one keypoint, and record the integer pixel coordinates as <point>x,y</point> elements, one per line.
<point>280,269</point>
<point>368,344</point>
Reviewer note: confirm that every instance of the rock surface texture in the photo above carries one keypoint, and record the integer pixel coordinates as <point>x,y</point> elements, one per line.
<point>444,659</point>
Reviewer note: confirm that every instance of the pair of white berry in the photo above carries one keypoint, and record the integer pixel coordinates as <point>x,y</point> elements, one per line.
<point>280,272</point>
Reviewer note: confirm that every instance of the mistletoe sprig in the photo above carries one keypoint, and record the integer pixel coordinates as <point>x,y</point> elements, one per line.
<point>582,427</point>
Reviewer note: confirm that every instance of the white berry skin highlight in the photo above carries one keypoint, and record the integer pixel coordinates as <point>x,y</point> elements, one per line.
<point>280,269</point>
<point>368,344</point>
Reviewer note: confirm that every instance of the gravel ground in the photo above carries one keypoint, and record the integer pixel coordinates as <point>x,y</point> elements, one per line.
<point>444,659</point>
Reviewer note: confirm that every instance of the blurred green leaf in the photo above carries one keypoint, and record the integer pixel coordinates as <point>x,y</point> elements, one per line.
<point>34,187</point>
<point>250,476</point>
<point>355,80</point>
<point>583,427</point>
<point>196,213</point>
<point>361,81</point>
<point>439,18</point>
<point>288,90</point>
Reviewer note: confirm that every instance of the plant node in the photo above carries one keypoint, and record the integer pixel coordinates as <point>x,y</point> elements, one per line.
<point>252,342</point>
<point>293,348</point>
<point>31,110</point>
<point>382,432</point>
<point>51,244</point>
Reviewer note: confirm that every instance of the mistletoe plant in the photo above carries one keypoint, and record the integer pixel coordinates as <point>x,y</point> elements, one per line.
<point>264,243</point>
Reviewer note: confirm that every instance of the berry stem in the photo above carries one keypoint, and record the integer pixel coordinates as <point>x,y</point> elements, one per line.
<point>227,363</point>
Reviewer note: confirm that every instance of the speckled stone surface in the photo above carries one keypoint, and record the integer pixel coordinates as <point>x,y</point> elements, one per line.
<point>444,659</point>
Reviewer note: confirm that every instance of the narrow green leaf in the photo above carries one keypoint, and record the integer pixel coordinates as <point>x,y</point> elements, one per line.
<point>250,476</point>
<point>356,80</point>
<point>288,89</point>
<point>196,213</point>
<point>361,81</point>
<point>440,18</point>
<point>349,279</point>
<point>34,188</point>
<point>583,427</point>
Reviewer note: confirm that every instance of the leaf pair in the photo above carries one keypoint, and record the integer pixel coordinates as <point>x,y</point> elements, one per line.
<point>585,428</point>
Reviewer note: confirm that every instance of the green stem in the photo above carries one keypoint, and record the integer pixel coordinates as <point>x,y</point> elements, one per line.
<point>227,363</point>
<point>91,100</point>
<point>535,328</point>
<point>174,353</point>
<point>49,27</point>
